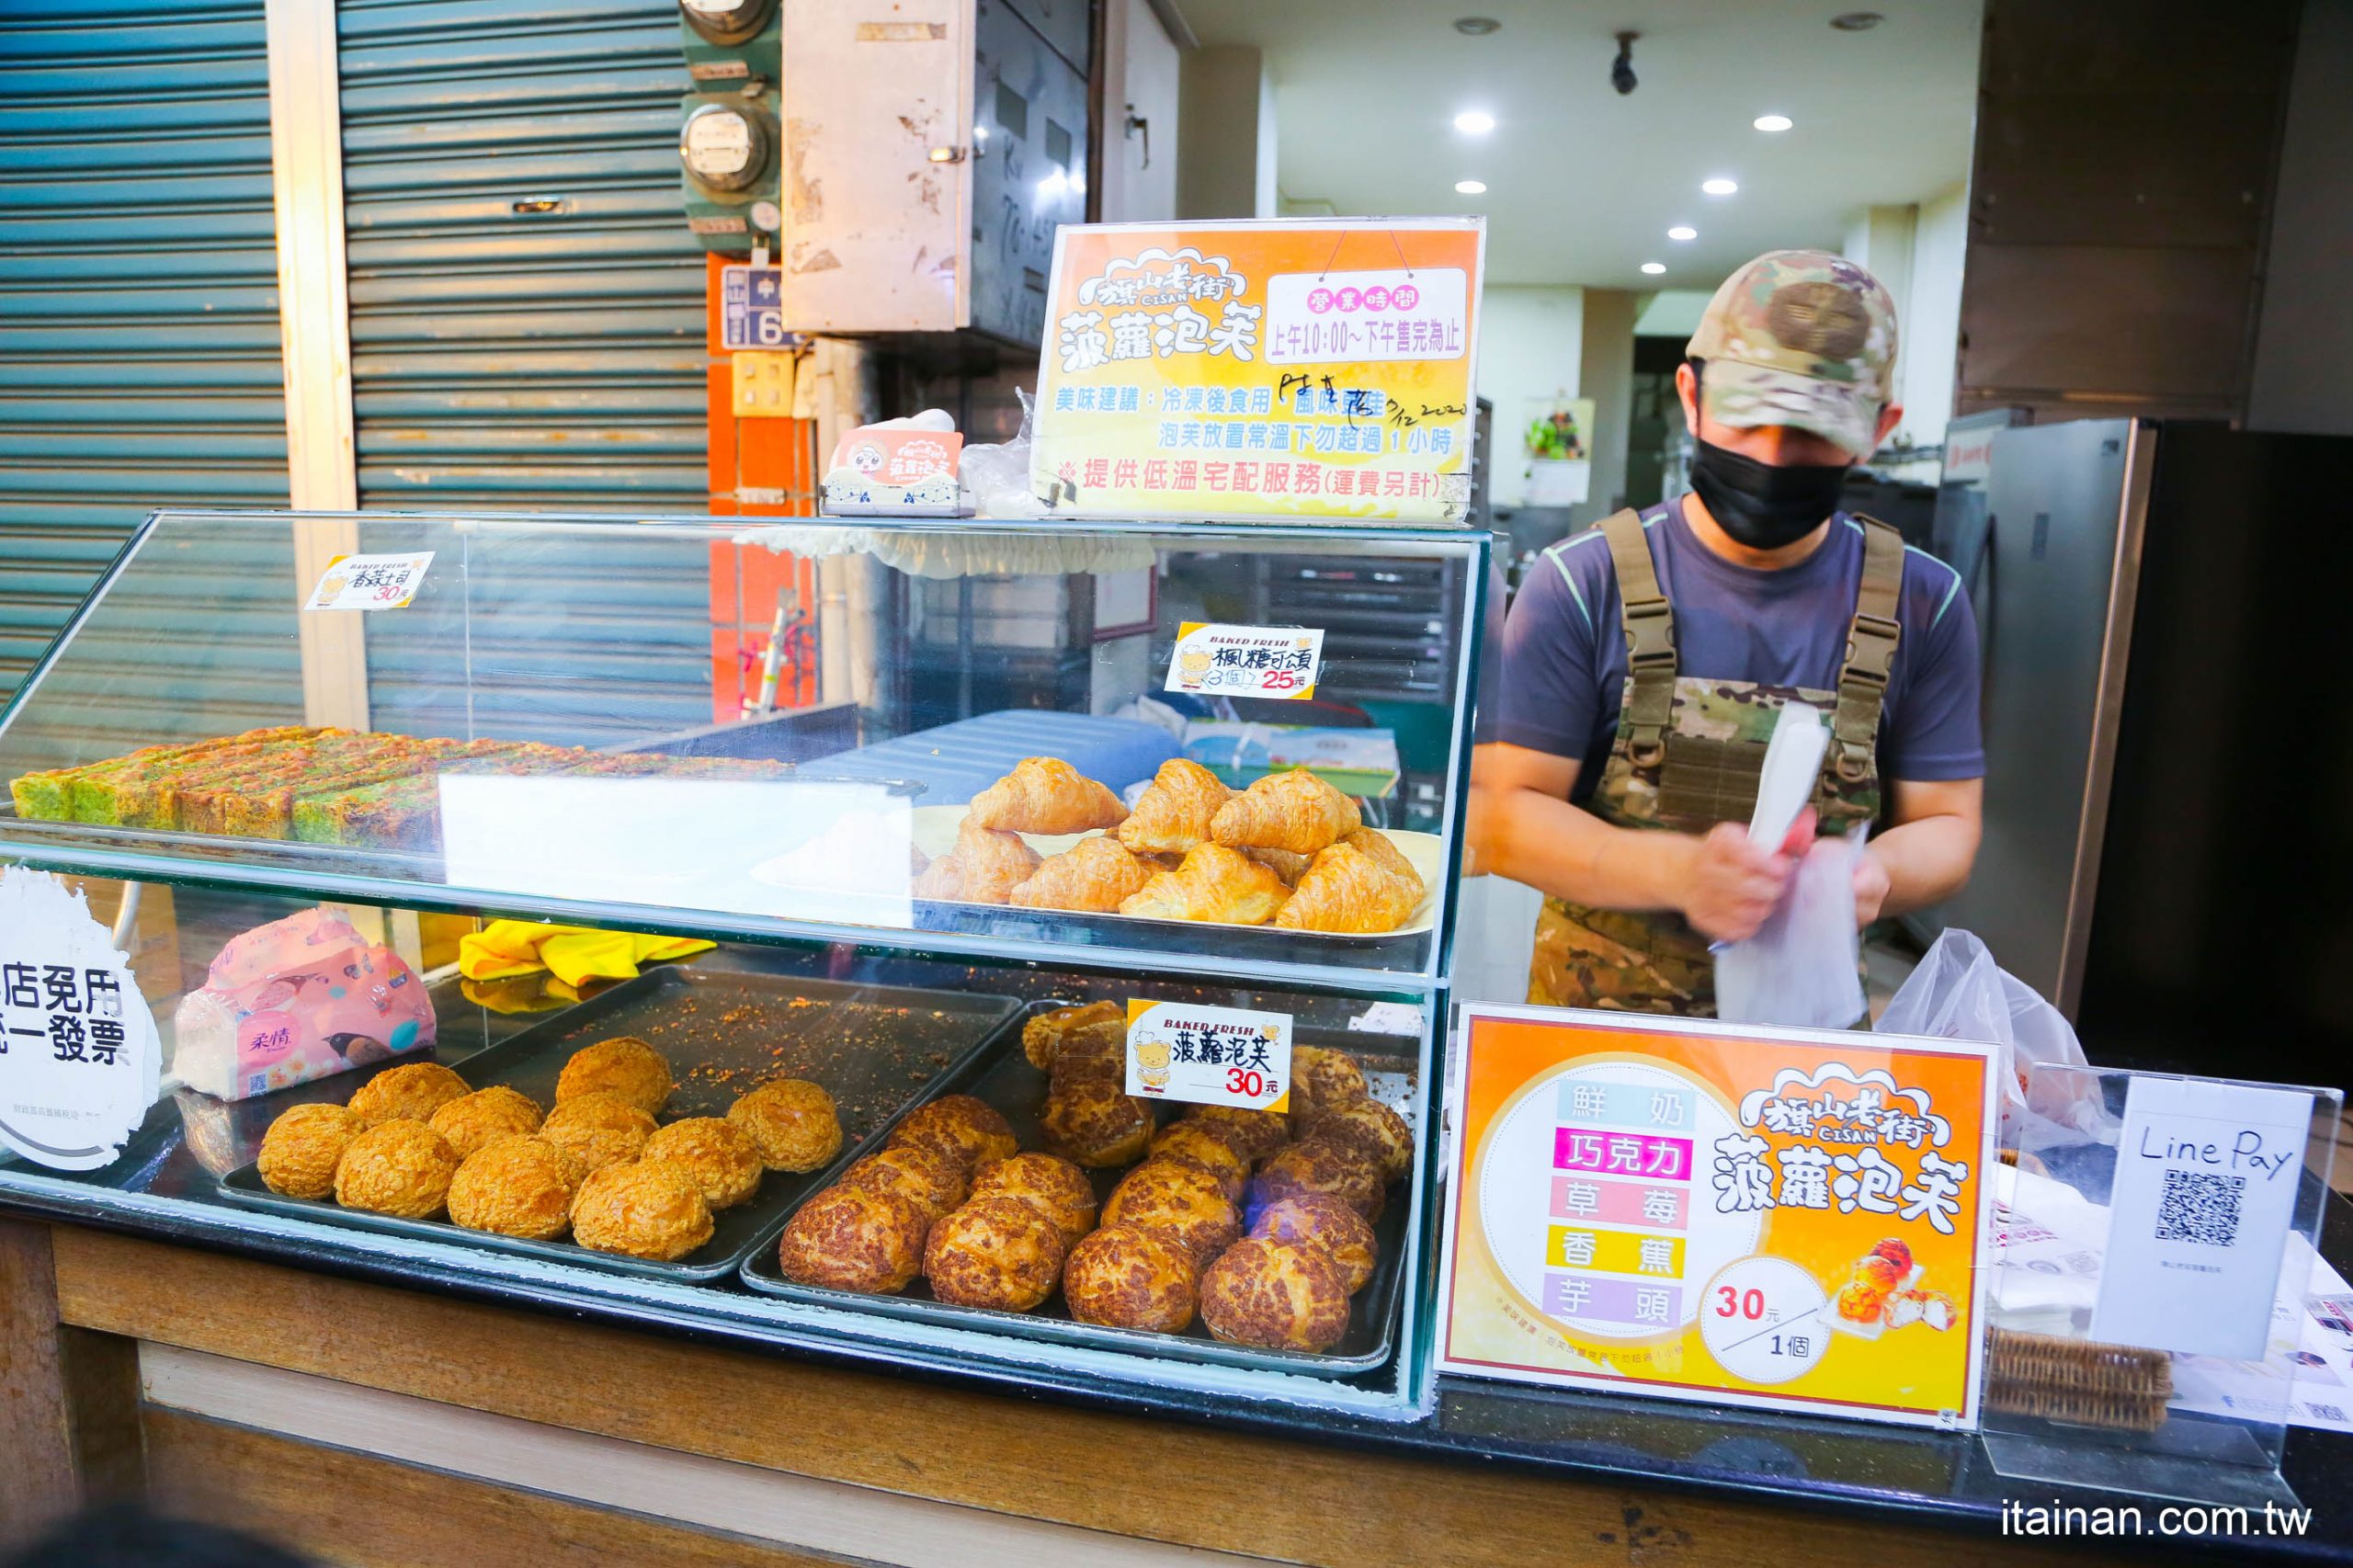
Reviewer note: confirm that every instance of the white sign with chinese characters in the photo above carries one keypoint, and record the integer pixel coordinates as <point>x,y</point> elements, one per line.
<point>1209,1055</point>
<point>1279,662</point>
<point>2205,1191</point>
<point>1349,317</point>
<point>370,582</point>
<point>79,1060</point>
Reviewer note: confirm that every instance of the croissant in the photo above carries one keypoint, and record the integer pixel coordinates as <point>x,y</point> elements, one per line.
<point>1174,812</point>
<point>1214,883</point>
<point>1384,850</point>
<point>1093,875</point>
<point>1292,810</point>
<point>1283,863</point>
<point>1347,889</point>
<point>984,867</point>
<point>1044,794</point>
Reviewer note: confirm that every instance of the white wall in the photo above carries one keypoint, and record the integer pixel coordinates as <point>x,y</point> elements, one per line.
<point>1140,77</point>
<point>1916,251</point>
<point>1531,339</point>
<point>1226,168</point>
<point>1932,319</point>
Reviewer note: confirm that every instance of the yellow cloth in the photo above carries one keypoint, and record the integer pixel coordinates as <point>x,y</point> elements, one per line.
<point>574,954</point>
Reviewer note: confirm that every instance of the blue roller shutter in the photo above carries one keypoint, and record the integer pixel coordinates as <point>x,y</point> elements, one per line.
<point>527,324</point>
<point>139,347</point>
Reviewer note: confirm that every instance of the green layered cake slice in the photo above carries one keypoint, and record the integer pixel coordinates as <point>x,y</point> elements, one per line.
<point>405,814</point>
<point>237,795</point>
<point>137,790</point>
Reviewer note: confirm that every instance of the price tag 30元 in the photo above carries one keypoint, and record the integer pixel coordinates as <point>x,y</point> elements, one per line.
<point>370,582</point>
<point>1279,662</point>
<point>1230,1056</point>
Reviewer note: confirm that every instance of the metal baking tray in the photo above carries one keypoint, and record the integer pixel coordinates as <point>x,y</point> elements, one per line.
<point>1002,1076</point>
<point>724,1031</point>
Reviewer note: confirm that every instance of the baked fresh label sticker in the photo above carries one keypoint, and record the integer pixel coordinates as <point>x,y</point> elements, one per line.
<point>370,582</point>
<point>80,1058</point>
<point>1209,1055</point>
<point>1211,660</point>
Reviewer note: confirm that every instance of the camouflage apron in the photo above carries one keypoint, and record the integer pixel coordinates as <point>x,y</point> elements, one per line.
<point>1688,756</point>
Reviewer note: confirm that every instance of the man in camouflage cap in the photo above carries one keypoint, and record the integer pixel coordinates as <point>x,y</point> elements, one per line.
<point>1647,661</point>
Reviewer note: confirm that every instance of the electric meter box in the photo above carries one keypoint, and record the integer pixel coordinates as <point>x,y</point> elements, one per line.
<point>933,148</point>
<point>730,140</point>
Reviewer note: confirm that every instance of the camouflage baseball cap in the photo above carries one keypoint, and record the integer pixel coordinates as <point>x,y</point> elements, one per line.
<point>1802,338</point>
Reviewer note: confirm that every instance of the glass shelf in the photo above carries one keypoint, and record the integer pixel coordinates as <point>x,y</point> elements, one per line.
<point>556,723</point>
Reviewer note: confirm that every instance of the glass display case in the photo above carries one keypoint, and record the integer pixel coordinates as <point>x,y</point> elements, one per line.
<point>912,792</point>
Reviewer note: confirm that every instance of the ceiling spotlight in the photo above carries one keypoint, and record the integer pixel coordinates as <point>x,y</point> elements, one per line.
<point>1683,232</point>
<point>1621,70</point>
<point>1719,186</point>
<point>1845,21</point>
<point>1653,267</point>
<point>1474,122</point>
<point>1470,188</point>
<point>1476,27</point>
<point>1774,122</point>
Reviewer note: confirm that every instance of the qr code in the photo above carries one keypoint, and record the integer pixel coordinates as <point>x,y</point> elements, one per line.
<point>2197,1207</point>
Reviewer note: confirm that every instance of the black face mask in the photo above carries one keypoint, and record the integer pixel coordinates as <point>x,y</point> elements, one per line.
<point>1764,506</point>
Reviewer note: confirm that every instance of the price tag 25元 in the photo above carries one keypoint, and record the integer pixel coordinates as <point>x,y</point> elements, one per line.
<point>1231,1056</point>
<point>1278,661</point>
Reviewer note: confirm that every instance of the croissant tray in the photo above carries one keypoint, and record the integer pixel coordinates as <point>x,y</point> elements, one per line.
<point>935,830</point>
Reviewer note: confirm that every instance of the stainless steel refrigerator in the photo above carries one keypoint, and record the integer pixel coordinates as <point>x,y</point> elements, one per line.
<point>2045,524</point>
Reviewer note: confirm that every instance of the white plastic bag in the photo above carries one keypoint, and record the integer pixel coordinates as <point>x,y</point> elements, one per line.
<point>1801,969</point>
<point>996,475</point>
<point>1960,993</point>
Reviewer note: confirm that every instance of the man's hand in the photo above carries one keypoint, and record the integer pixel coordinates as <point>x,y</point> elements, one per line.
<point>1871,885</point>
<point>1729,885</point>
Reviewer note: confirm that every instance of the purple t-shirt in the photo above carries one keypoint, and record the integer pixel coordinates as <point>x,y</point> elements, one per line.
<point>1564,649</point>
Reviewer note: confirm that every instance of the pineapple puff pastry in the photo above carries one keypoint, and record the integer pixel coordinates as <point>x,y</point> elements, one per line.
<point>985,866</point>
<point>1093,875</point>
<point>1214,883</point>
<point>1293,809</point>
<point>1173,814</point>
<point>1044,794</point>
<point>1347,889</point>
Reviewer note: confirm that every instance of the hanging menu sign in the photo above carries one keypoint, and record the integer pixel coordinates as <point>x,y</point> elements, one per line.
<point>1285,368</point>
<point>79,1060</point>
<point>1787,1218</point>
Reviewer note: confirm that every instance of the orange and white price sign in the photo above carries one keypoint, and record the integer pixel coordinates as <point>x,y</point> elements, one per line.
<point>1788,1219</point>
<point>1280,662</point>
<point>370,582</point>
<point>1233,1056</point>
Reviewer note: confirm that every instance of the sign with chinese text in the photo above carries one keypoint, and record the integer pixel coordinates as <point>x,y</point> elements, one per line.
<point>79,1060</point>
<point>1245,661</point>
<point>751,307</point>
<point>1289,368</point>
<point>1787,1218</point>
<point>370,582</point>
<point>1209,1055</point>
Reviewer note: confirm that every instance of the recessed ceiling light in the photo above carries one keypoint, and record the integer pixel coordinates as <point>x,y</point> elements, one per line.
<point>1774,122</point>
<point>1470,188</point>
<point>1474,122</point>
<point>1653,267</point>
<point>1719,186</point>
<point>1476,27</point>
<point>1845,21</point>
<point>1683,232</point>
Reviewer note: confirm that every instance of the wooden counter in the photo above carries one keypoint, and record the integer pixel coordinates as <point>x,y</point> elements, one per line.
<point>371,1424</point>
